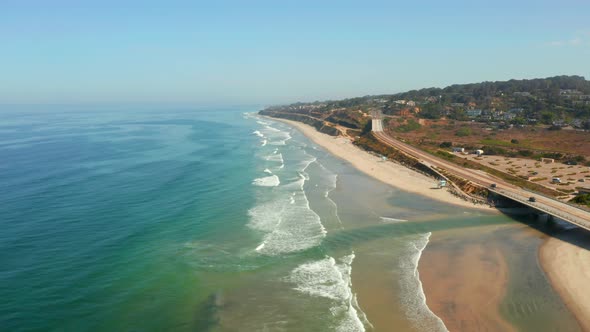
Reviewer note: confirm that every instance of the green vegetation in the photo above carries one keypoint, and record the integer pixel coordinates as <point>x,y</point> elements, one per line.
<point>410,125</point>
<point>462,132</point>
<point>582,199</point>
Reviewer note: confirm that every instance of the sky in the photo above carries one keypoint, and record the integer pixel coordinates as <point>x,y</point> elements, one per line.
<point>280,51</point>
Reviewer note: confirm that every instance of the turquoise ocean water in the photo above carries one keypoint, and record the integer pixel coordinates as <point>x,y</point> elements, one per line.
<point>123,219</point>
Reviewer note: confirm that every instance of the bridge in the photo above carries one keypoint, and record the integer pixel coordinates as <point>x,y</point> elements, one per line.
<point>551,206</point>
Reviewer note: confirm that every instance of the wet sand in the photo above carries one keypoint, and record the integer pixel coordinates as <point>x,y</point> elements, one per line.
<point>388,172</point>
<point>566,262</point>
<point>465,287</point>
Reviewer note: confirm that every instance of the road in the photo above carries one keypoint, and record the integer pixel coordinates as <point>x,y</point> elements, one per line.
<point>548,205</point>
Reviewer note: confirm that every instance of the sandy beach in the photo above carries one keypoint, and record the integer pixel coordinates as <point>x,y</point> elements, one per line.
<point>566,262</point>
<point>464,288</point>
<point>385,171</point>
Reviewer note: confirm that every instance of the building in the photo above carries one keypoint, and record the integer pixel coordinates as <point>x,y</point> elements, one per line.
<point>508,116</point>
<point>458,149</point>
<point>474,113</point>
<point>522,94</point>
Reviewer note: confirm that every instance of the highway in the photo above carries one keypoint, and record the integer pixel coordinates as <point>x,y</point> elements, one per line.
<point>547,205</point>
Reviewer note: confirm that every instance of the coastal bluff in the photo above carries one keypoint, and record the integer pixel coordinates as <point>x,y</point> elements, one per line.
<point>319,125</point>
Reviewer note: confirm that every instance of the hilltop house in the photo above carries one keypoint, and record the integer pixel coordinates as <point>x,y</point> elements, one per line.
<point>474,113</point>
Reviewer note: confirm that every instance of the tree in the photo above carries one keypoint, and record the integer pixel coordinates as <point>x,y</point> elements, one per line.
<point>547,117</point>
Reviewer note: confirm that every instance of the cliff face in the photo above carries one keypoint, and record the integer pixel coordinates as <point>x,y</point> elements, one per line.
<point>348,119</point>
<point>317,124</point>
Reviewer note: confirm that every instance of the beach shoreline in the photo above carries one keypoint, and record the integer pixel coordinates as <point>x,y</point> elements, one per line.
<point>387,172</point>
<point>559,259</point>
<point>565,262</point>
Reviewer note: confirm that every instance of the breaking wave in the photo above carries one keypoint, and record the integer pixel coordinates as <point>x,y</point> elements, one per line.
<point>331,279</point>
<point>269,181</point>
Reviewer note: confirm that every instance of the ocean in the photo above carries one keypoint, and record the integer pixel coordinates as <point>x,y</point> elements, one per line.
<point>215,219</point>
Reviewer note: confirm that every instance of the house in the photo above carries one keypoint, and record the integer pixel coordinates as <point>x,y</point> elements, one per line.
<point>522,94</point>
<point>458,149</point>
<point>474,113</point>
<point>508,116</point>
<point>567,92</point>
<point>479,152</point>
<point>411,103</point>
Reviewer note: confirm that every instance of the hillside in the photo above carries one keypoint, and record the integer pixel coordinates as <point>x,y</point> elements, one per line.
<point>559,100</point>
<point>515,118</point>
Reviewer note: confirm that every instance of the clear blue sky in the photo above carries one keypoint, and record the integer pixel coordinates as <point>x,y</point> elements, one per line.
<point>264,52</point>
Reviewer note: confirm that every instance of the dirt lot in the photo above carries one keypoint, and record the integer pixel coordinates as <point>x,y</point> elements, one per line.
<point>536,139</point>
<point>571,176</point>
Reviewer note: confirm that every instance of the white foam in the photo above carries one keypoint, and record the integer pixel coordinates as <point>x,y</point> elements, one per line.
<point>280,138</point>
<point>278,157</point>
<point>264,142</point>
<point>285,218</point>
<point>260,246</point>
<point>288,224</point>
<point>411,292</point>
<point>331,279</point>
<point>271,128</point>
<point>389,219</point>
<point>258,133</point>
<point>269,181</point>
<point>266,170</point>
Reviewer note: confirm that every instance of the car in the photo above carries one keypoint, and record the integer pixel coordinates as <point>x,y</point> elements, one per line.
<point>532,199</point>
<point>582,180</point>
<point>493,185</point>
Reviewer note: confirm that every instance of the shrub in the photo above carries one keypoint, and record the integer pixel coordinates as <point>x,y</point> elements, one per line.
<point>446,144</point>
<point>462,132</point>
<point>525,153</point>
<point>411,125</point>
